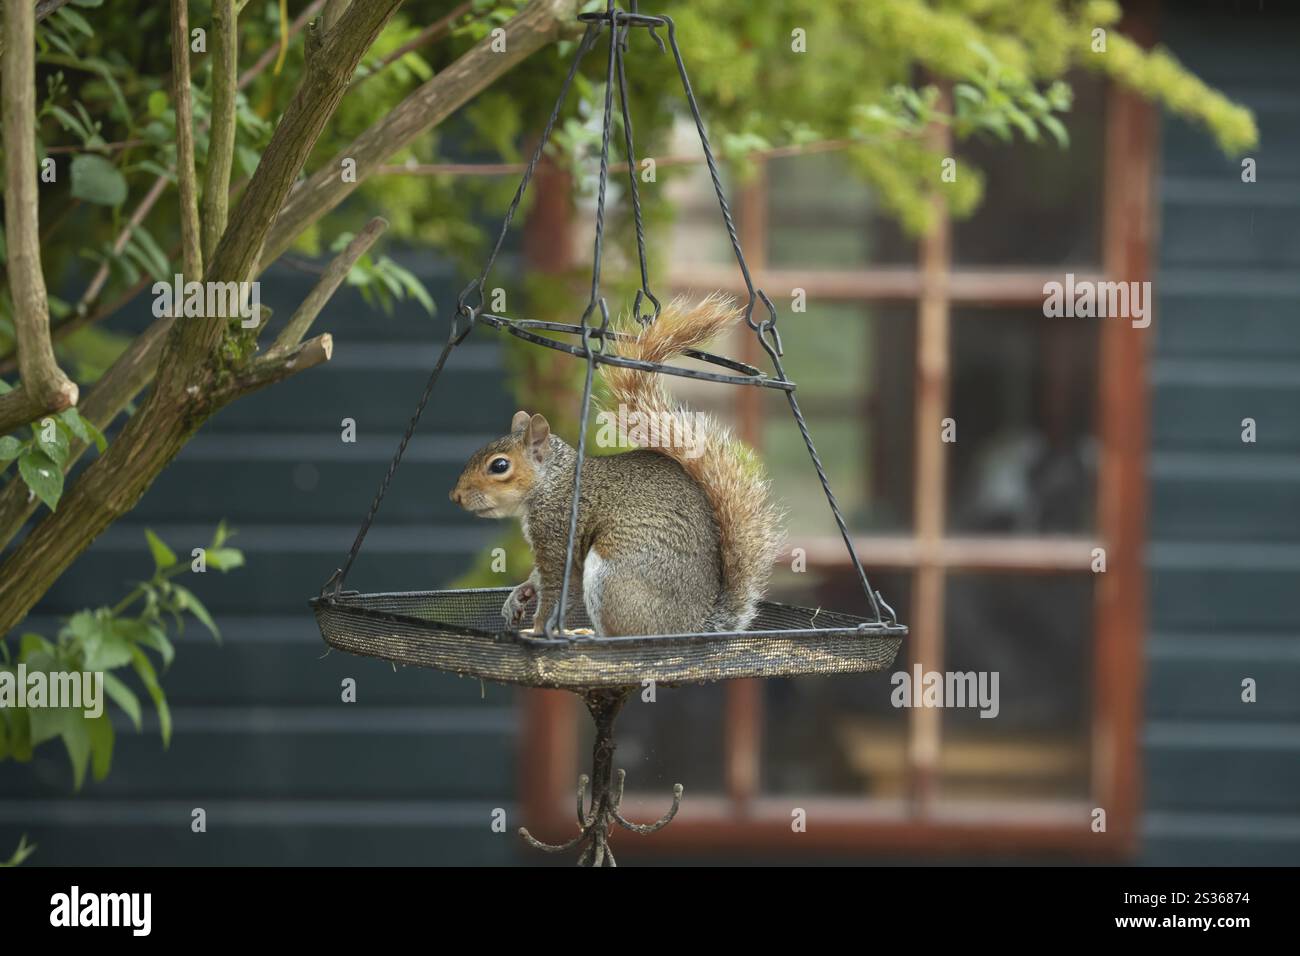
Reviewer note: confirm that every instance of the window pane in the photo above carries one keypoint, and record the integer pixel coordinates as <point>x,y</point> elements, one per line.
<point>1036,634</point>
<point>1024,397</point>
<point>836,734</point>
<point>854,368</point>
<point>822,215</point>
<point>1042,204</point>
<point>698,236</point>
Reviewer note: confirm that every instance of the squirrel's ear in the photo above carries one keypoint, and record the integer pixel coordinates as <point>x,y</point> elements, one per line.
<point>520,421</point>
<point>536,437</point>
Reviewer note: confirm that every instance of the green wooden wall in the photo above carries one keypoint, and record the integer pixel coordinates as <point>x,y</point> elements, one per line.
<point>1222,776</point>
<point>288,773</point>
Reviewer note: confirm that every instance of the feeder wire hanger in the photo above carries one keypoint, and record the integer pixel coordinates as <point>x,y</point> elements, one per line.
<point>592,332</point>
<point>466,315</point>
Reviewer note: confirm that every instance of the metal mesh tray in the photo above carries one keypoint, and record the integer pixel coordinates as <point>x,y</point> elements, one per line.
<point>463,632</point>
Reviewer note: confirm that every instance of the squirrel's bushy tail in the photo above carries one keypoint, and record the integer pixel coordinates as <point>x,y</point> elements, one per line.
<point>724,467</point>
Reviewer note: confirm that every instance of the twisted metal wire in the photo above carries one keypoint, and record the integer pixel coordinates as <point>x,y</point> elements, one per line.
<point>584,45</point>
<point>619,23</point>
<point>768,335</point>
<point>554,625</point>
<point>643,292</point>
<point>457,333</point>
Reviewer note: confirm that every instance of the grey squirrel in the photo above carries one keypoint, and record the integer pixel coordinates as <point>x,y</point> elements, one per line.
<point>678,538</point>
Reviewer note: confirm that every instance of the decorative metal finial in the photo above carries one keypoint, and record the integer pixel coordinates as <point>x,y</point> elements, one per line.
<point>606,793</point>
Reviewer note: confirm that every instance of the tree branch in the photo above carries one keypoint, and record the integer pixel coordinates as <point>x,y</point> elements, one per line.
<point>221,139</point>
<point>537,25</point>
<point>279,363</point>
<point>333,276</point>
<point>115,390</point>
<point>191,384</point>
<point>434,31</point>
<point>235,259</point>
<point>192,254</point>
<point>273,51</point>
<point>43,9</point>
<point>100,278</point>
<point>44,387</point>
<point>333,10</point>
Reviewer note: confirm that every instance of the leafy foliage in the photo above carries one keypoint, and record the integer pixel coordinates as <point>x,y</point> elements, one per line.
<point>134,634</point>
<point>23,851</point>
<point>42,455</point>
<point>1009,64</point>
<point>382,282</point>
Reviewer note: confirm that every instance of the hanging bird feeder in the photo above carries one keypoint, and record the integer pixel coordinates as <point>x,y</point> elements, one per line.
<point>463,631</point>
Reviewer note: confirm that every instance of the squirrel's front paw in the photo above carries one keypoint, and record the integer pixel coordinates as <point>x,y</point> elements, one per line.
<point>513,609</point>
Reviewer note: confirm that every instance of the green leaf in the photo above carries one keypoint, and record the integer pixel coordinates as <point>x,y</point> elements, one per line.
<point>43,476</point>
<point>411,284</point>
<point>105,71</point>
<point>153,169</point>
<point>160,264</point>
<point>51,440</point>
<point>58,42</point>
<point>83,428</point>
<point>10,448</point>
<point>47,722</point>
<point>163,556</point>
<point>1057,129</point>
<point>99,731</point>
<point>155,637</point>
<point>104,643</point>
<point>225,559</point>
<point>1025,124</point>
<point>186,600</point>
<point>20,734</point>
<point>124,697</point>
<point>149,677</point>
<point>158,103</point>
<point>75,20</point>
<point>70,122</point>
<point>31,644</point>
<point>96,180</point>
<point>76,738</point>
<point>157,132</point>
<point>24,850</point>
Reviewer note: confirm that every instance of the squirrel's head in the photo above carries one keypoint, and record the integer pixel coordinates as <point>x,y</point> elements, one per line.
<point>500,475</point>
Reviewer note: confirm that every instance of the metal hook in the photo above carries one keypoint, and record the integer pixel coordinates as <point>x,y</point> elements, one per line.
<point>641,296</point>
<point>645,828</point>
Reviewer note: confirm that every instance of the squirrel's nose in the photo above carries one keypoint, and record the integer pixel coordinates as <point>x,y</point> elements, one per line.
<point>454,495</point>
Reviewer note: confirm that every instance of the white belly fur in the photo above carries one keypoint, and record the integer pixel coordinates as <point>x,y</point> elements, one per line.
<point>593,573</point>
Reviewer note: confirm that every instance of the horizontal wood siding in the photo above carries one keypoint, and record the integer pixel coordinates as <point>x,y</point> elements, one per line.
<point>287,773</point>
<point>1223,776</point>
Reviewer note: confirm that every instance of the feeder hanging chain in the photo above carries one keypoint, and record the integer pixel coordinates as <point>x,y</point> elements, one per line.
<point>466,315</point>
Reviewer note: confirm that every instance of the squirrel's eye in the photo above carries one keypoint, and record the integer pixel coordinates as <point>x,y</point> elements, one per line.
<point>499,466</point>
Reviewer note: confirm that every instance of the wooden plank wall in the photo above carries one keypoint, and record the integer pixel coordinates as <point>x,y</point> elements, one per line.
<point>288,773</point>
<point>1223,777</point>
